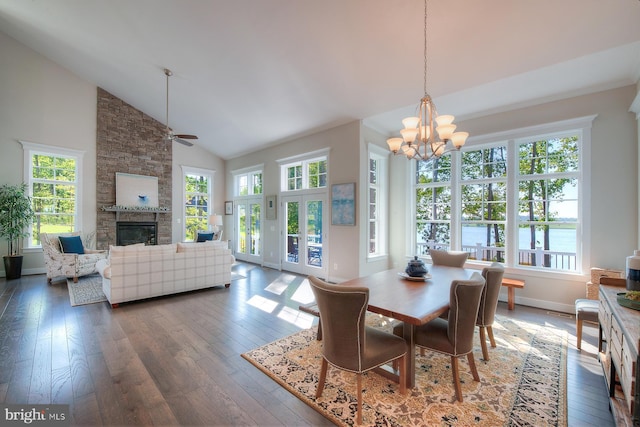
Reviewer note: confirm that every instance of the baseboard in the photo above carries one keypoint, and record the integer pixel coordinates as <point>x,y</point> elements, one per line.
<point>272,265</point>
<point>27,272</point>
<point>543,304</point>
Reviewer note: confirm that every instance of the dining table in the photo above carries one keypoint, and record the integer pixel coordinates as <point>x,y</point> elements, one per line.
<point>413,301</point>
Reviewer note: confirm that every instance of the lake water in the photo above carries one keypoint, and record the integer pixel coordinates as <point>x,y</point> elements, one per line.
<point>560,240</point>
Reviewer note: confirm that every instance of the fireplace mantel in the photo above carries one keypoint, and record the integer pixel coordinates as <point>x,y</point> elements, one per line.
<point>133,209</point>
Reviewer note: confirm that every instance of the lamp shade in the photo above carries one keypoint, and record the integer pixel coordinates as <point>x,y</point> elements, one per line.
<point>215,220</point>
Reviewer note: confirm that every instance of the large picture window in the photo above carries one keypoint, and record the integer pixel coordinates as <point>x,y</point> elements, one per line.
<point>198,185</point>
<point>433,205</point>
<point>511,200</point>
<point>52,175</point>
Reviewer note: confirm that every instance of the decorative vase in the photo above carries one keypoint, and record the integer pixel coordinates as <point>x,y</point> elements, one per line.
<point>416,268</point>
<point>633,271</point>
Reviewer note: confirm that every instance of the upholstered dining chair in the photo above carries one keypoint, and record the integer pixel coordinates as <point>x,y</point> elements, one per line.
<point>454,336</point>
<point>347,343</point>
<point>448,258</point>
<point>488,303</point>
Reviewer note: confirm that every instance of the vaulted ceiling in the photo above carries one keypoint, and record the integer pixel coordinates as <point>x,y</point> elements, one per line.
<point>253,73</point>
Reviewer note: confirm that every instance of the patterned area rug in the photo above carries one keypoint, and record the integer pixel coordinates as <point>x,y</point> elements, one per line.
<point>523,383</point>
<point>88,290</point>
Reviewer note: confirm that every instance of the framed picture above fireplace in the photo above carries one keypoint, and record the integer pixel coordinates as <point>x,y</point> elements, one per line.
<point>136,190</point>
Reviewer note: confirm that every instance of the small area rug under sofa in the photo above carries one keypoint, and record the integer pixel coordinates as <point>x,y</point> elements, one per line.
<point>137,272</point>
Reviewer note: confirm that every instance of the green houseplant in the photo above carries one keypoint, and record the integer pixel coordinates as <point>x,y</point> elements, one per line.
<point>16,214</point>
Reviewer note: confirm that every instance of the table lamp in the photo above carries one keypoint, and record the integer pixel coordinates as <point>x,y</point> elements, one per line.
<point>216,222</point>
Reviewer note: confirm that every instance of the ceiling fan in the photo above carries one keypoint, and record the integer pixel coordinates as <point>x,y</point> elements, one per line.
<point>170,136</point>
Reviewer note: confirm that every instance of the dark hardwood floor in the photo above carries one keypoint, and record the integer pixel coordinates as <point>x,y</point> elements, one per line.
<point>176,360</point>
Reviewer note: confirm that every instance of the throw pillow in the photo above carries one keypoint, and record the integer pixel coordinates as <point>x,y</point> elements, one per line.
<point>203,237</point>
<point>71,245</point>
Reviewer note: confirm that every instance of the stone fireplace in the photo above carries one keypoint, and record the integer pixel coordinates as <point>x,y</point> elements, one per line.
<point>130,141</point>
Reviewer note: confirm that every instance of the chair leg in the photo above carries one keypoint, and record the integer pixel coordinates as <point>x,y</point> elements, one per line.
<point>319,335</point>
<point>472,366</point>
<point>490,333</point>
<point>483,344</point>
<point>75,279</point>
<point>579,333</point>
<point>421,351</point>
<point>456,377</point>
<point>359,415</point>
<point>323,377</point>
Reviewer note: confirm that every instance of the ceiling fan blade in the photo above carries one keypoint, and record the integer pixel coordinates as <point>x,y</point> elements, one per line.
<point>183,142</point>
<point>186,136</point>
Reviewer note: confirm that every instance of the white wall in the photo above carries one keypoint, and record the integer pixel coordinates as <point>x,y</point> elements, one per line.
<point>44,103</point>
<point>343,241</point>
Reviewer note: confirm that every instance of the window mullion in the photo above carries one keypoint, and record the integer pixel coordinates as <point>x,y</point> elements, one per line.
<point>512,204</point>
<point>456,200</point>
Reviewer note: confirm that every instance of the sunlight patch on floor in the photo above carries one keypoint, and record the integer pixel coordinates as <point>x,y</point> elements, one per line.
<point>304,294</point>
<point>262,303</point>
<point>279,285</point>
<point>295,317</point>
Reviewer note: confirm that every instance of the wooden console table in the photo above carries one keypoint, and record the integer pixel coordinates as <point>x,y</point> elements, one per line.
<point>620,338</point>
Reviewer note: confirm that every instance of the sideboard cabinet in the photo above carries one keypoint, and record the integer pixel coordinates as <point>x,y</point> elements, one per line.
<point>620,339</point>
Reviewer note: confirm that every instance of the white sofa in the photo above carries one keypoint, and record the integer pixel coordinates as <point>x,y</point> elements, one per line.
<point>136,272</point>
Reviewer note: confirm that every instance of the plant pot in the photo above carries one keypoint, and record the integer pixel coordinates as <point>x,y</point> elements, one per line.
<point>13,266</point>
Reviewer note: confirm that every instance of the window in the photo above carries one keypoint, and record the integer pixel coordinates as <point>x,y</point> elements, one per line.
<point>304,174</point>
<point>548,176</point>
<point>248,183</point>
<point>510,198</point>
<point>484,202</point>
<point>377,232</point>
<point>198,185</point>
<point>52,175</point>
<point>433,204</point>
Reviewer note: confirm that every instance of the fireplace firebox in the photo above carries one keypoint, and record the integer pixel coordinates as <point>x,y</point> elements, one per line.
<point>129,233</point>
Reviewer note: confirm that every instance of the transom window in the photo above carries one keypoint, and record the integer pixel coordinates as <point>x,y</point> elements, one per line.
<point>304,174</point>
<point>248,183</point>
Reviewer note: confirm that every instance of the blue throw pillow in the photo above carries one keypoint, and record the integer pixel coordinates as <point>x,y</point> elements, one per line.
<point>203,237</point>
<point>71,245</point>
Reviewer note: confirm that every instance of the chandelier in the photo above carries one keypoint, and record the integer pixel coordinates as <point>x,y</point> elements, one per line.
<point>419,141</point>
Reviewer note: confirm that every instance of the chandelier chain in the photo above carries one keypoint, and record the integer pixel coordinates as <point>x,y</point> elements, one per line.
<point>425,47</point>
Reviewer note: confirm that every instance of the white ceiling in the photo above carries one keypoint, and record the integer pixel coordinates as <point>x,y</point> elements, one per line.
<point>251,73</point>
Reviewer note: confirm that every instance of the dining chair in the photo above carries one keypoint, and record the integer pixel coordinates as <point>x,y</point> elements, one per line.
<point>488,304</point>
<point>347,343</point>
<point>454,336</point>
<point>448,258</point>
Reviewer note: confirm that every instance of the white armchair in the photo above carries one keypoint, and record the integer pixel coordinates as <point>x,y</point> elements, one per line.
<point>69,265</point>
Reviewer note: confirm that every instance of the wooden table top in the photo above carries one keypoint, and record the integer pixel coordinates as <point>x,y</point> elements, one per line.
<point>410,301</point>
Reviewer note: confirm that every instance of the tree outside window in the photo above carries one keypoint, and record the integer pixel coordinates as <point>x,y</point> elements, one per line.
<point>53,183</point>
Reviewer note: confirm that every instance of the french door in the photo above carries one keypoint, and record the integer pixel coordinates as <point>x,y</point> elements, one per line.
<point>304,243</point>
<point>248,220</point>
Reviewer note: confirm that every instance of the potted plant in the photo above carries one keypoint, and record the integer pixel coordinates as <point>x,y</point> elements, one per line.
<point>16,214</point>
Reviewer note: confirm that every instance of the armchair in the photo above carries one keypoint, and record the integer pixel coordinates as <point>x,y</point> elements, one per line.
<point>69,265</point>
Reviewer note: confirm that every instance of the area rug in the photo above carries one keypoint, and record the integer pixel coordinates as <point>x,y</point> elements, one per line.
<point>88,290</point>
<point>523,383</point>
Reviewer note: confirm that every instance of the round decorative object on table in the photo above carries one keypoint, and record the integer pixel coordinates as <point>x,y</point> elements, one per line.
<point>416,268</point>
<point>624,301</point>
<point>422,278</point>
